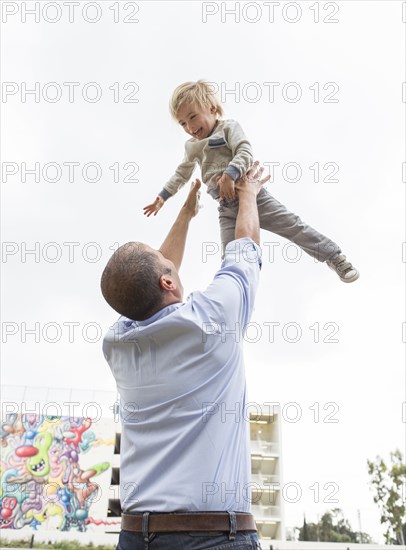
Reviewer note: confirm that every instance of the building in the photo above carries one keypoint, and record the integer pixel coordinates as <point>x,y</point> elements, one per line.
<point>266,471</point>
<point>60,464</point>
<point>60,469</point>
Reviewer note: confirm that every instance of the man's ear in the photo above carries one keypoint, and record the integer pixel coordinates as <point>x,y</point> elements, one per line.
<point>166,282</point>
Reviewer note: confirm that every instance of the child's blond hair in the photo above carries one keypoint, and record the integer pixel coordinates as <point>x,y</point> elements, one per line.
<point>201,93</point>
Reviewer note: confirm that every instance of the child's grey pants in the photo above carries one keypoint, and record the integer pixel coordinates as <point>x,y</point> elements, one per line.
<point>275,217</point>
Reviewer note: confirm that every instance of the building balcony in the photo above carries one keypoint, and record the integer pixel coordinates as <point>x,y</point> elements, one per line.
<point>266,480</point>
<point>266,513</point>
<point>264,448</point>
<point>269,530</point>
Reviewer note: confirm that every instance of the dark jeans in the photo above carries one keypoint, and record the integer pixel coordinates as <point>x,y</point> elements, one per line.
<point>244,540</point>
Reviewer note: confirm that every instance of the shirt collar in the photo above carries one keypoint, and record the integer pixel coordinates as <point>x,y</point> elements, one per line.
<point>214,128</point>
<point>160,314</point>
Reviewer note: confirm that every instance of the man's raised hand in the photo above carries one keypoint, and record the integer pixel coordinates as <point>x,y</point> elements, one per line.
<point>252,180</point>
<point>192,201</point>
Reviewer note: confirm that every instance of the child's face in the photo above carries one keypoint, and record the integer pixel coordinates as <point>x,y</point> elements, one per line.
<point>197,121</point>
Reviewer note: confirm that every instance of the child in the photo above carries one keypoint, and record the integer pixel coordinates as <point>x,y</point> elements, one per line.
<point>224,154</point>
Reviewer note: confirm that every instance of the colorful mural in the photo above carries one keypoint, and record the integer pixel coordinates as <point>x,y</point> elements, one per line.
<point>47,472</point>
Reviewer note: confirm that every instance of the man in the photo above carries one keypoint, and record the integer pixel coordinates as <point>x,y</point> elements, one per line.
<point>185,454</point>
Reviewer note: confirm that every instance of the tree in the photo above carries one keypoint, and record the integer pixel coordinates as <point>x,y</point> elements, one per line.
<point>305,534</point>
<point>388,485</point>
<point>332,527</point>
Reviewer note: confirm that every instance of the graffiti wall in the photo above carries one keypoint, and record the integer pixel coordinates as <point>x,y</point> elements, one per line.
<point>55,472</point>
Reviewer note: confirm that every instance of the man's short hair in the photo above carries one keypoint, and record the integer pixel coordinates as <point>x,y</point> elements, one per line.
<point>130,281</point>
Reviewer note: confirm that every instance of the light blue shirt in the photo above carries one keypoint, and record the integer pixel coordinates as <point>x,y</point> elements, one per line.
<point>181,379</point>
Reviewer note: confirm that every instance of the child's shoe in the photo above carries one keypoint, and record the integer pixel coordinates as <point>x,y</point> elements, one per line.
<point>344,269</point>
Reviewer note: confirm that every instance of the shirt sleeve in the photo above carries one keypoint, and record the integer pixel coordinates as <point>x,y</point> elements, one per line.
<point>182,174</point>
<point>232,292</point>
<point>240,149</point>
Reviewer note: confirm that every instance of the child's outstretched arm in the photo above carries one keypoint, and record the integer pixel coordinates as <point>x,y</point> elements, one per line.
<point>182,175</point>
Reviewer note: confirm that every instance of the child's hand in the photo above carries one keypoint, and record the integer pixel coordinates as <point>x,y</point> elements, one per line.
<point>226,187</point>
<point>154,207</point>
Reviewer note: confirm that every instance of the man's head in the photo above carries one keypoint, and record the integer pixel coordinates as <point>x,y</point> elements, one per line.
<point>138,281</point>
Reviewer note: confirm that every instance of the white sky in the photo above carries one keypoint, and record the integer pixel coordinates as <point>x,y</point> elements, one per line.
<point>362,57</point>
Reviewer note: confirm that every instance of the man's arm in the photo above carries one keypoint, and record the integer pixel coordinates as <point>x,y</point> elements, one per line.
<point>231,295</point>
<point>247,187</point>
<point>174,245</point>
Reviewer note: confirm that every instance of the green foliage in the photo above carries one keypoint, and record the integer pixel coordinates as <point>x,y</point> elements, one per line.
<point>305,531</point>
<point>389,485</point>
<point>332,527</point>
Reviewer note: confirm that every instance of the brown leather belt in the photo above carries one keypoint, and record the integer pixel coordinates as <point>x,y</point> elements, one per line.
<point>182,521</point>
